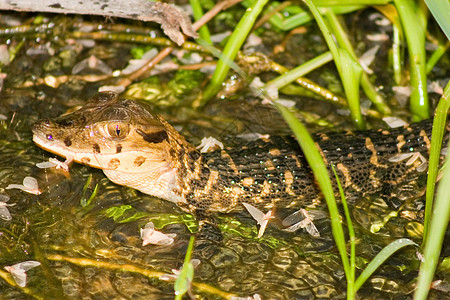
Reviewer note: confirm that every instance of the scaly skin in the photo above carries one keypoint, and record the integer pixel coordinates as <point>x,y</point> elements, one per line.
<point>136,148</point>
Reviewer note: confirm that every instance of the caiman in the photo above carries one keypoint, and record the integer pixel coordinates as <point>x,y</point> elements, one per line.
<point>137,148</point>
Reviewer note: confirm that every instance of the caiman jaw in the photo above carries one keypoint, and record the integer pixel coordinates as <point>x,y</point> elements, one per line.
<point>121,137</point>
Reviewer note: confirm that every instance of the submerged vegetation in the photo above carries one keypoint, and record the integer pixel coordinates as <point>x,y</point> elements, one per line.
<point>268,46</point>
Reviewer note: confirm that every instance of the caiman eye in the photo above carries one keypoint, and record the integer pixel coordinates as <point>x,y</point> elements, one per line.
<point>118,130</point>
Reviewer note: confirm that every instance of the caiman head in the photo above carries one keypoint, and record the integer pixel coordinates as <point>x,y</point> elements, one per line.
<point>124,138</point>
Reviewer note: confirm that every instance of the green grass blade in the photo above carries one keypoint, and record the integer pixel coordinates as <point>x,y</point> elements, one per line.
<point>197,11</point>
<point>435,152</point>
<point>369,89</point>
<point>381,257</point>
<point>351,291</point>
<point>184,279</point>
<point>350,80</point>
<point>396,55</point>
<point>320,171</point>
<point>299,71</point>
<point>414,30</point>
<point>232,47</point>
<point>340,58</point>
<point>439,219</point>
<point>298,16</point>
<point>437,54</point>
<point>441,13</point>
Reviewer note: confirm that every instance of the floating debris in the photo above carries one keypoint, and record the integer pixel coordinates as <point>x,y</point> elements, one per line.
<point>54,162</point>
<point>394,122</point>
<point>209,144</point>
<point>176,272</point>
<point>151,236</point>
<point>412,158</point>
<point>304,219</point>
<point>18,271</point>
<point>30,185</point>
<point>260,217</point>
<point>402,94</point>
<point>4,212</point>
<point>92,63</point>
<point>367,58</point>
<point>183,278</point>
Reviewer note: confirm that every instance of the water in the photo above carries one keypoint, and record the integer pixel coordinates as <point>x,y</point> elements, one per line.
<point>87,254</point>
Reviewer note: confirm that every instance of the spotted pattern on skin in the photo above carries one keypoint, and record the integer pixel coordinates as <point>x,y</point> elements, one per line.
<point>85,160</point>
<point>427,141</point>
<point>248,181</point>
<point>67,142</point>
<point>139,161</point>
<point>275,152</point>
<point>401,142</point>
<point>265,189</point>
<point>96,148</point>
<point>268,164</point>
<point>324,157</point>
<point>114,163</point>
<point>346,172</point>
<point>118,148</point>
<point>371,147</point>
<point>226,156</point>
<point>297,161</point>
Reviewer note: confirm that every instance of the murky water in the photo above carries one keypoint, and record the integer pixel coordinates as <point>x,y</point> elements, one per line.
<point>93,252</point>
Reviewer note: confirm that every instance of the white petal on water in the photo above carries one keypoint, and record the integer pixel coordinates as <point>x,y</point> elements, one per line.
<point>18,271</point>
<point>15,186</point>
<point>209,144</point>
<point>45,165</point>
<point>255,213</point>
<point>195,262</point>
<point>151,236</point>
<point>394,122</point>
<point>20,277</point>
<point>412,158</point>
<point>303,219</point>
<point>91,63</point>
<point>312,229</point>
<point>27,265</point>
<point>4,212</point>
<point>400,157</point>
<point>30,183</point>
<point>367,58</point>
<point>261,218</point>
